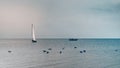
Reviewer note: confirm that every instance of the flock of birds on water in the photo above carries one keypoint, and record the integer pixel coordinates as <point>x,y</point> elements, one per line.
<point>49,49</point>
<point>61,51</point>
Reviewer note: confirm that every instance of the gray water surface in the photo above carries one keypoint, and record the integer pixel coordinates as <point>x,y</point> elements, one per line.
<point>100,53</point>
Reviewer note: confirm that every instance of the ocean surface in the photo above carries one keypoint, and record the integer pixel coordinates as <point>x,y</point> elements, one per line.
<point>60,53</point>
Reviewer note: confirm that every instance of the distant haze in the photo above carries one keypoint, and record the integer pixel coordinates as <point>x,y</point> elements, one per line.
<point>60,18</point>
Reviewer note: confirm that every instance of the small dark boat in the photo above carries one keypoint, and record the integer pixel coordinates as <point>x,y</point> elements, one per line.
<point>44,51</point>
<point>60,52</point>
<point>49,48</point>
<point>81,51</point>
<point>116,50</point>
<point>63,48</point>
<point>9,51</point>
<point>75,47</point>
<point>84,50</point>
<point>73,39</point>
<point>47,52</point>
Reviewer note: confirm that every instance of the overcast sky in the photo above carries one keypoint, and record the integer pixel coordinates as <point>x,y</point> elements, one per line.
<point>60,18</point>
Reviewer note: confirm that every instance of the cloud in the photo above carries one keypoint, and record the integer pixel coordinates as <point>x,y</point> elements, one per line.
<point>60,18</point>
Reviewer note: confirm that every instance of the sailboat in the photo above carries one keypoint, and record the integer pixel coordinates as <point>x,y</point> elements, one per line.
<point>33,34</point>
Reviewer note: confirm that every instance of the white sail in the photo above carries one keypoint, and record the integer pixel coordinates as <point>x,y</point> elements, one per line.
<point>33,34</point>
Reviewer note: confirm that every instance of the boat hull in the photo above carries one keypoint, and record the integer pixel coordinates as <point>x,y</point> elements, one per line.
<point>72,39</point>
<point>34,41</point>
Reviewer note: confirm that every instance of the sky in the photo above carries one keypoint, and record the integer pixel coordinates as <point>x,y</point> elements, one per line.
<point>60,18</point>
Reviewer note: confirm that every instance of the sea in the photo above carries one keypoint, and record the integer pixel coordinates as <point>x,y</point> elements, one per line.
<point>60,53</point>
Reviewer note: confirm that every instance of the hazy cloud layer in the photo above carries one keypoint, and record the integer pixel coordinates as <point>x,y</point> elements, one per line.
<point>60,18</point>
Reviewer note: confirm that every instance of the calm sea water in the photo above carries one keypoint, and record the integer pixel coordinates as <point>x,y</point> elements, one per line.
<point>60,53</point>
